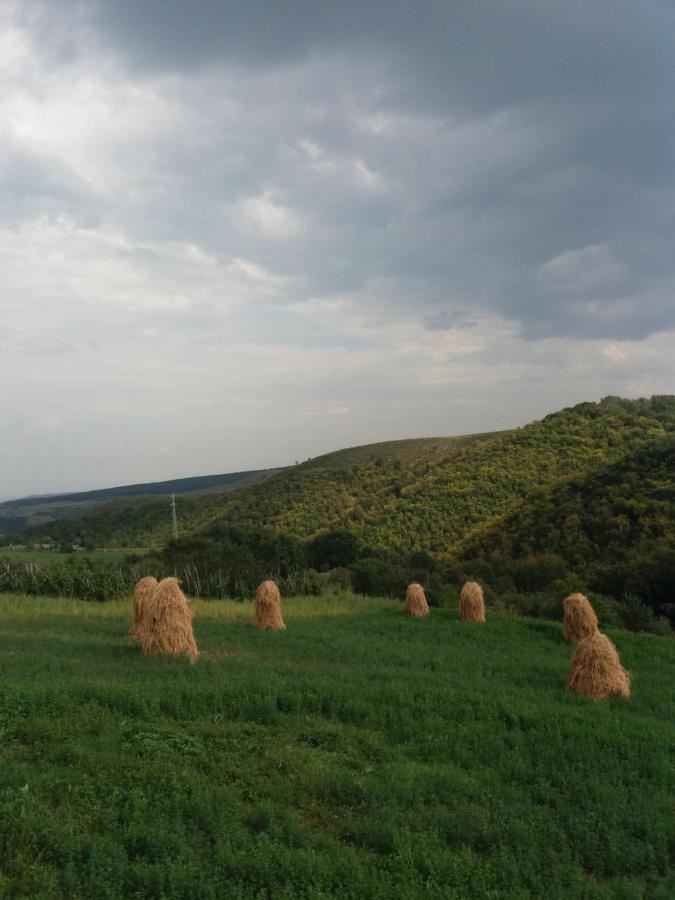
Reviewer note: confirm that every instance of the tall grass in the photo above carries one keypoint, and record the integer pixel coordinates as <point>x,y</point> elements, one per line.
<point>358,754</point>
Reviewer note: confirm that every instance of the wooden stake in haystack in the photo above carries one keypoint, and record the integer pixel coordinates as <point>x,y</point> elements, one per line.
<point>579,619</point>
<point>596,669</point>
<point>472,602</point>
<point>143,590</point>
<point>415,601</point>
<point>268,607</point>
<point>166,627</point>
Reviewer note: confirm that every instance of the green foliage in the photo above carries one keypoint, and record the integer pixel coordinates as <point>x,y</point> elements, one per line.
<point>24,513</point>
<point>303,501</point>
<point>334,549</point>
<point>613,527</point>
<point>425,495</point>
<point>585,496</point>
<point>358,754</point>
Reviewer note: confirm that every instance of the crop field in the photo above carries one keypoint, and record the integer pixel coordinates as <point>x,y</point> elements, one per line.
<point>358,754</point>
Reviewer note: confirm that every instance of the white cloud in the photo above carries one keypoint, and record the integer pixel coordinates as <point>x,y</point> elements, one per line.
<point>263,217</point>
<point>583,270</point>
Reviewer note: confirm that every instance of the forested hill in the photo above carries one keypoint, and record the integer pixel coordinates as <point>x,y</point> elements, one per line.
<point>190,485</point>
<point>26,512</point>
<point>492,479</point>
<point>432,500</point>
<point>428,494</point>
<point>614,527</point>
<point>317,485</point>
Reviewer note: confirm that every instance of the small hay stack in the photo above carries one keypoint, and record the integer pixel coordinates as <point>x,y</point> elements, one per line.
<point>472,602</point>
<point>166,627</point>
<point>268,607</point>
<point>143,590</point>
<point>415,601</point>
<point>596,669</point>
<point>579,619</point>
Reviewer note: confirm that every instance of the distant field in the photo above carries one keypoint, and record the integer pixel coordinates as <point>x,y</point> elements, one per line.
<point>358,754</point>
<point>114,554</point>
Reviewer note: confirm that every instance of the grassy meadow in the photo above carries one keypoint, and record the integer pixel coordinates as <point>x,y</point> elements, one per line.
<point>358,754</point>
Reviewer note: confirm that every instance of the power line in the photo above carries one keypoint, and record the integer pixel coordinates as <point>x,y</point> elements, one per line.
<point>174,520</point>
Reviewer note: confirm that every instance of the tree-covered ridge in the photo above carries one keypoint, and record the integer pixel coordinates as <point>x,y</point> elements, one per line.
<point>314,496</point>
<point>492,478</point>
<point>26,513</point>
<point>430,502</point>
<point>614,527</point>
<point>426,494</point>
<point>339,489</point>
<point>409,451</point>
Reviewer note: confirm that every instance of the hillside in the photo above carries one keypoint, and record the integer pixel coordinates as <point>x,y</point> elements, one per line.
<point>487,481</point>
<point>428,494</point>
<point>432,498</point>
<point>27,512</point>
<point>359,754</point>
<point>322,487</point>
<point>614,526</point>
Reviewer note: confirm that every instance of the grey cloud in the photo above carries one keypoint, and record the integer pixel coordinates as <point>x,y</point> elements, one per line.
<point>527,130</point>
<point>485,53</point>
<point>240,210</point>
<point>33,184</point>
<point>447,319</point>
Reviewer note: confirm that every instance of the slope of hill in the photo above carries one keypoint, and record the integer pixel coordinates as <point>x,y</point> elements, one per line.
<point>614,526</point>
<point>26,512</point>
<point>341,489</point>
<point>431,500</point>
<point>425,494</point>
<point>493,478</point>
<point>323,488</point>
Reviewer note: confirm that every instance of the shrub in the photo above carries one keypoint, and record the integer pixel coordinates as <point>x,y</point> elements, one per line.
<point>333,549</point>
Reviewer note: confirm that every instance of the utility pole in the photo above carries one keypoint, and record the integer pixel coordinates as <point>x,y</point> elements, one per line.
<point>174,520</point>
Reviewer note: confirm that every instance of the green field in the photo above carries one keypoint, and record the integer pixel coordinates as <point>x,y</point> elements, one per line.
<point>358,754</point>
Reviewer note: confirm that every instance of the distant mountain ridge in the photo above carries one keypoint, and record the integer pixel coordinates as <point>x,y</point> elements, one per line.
<point>425,494</point>
<point>171,486</point>
<point>40,509</point>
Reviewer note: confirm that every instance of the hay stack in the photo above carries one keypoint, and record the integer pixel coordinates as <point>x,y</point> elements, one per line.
<point>166,627</point>
<point>415,601</point>
<point>579,620</point>
<point>268,607</point>
<point>596,669</point>
<point>472,602</point>
<point>143,590</point>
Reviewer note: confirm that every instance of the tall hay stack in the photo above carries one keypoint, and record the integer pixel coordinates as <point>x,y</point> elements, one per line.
<point>416,601</point>
<point>268,607</point>
<point>166,627</point>
<point>143,590</point>
<point>596,669</point>
<point>472,603</point>
<point>579,618</point>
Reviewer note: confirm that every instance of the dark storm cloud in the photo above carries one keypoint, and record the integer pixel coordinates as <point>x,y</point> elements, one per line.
<point>585,93</point>
<point>483,53</point>
<point>347,213</point>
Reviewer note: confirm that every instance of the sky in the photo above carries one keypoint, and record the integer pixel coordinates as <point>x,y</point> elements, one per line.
<point>235,234</point>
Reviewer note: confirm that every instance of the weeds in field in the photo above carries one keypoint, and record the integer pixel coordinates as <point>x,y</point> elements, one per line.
<point>357,754</point>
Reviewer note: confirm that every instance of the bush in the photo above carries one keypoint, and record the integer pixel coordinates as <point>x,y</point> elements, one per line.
<point>339,579</point>
<point>637,616</point>
<point>334,549</point>
<point>536,571</point>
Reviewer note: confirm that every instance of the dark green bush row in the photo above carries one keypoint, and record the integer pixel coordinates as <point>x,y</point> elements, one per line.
<point>229,562</point>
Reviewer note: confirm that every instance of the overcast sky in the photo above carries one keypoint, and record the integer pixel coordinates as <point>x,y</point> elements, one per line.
<point>237,233</point>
